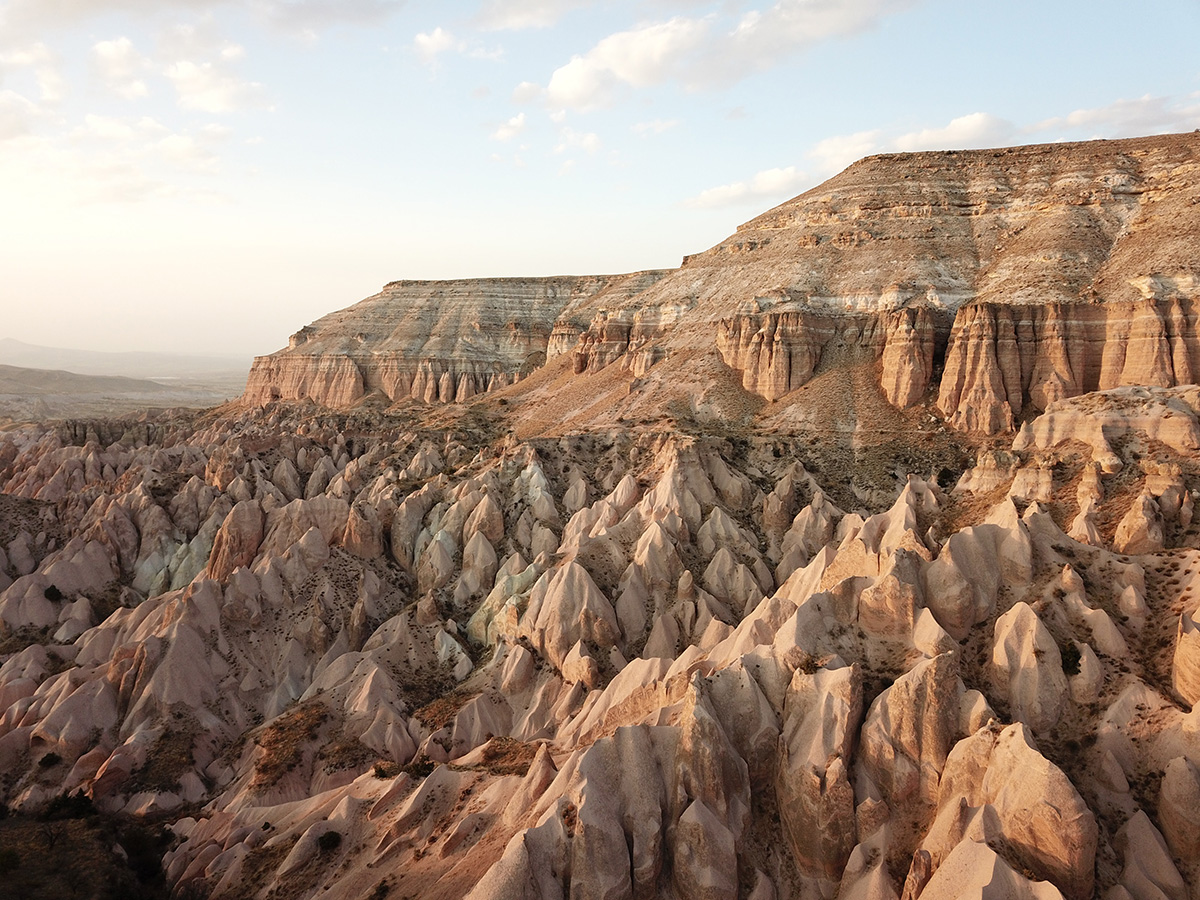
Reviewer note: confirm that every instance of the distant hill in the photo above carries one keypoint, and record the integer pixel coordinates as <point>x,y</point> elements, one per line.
<point>28,394</point>
<point>39,382</point>
<point>131,364</point>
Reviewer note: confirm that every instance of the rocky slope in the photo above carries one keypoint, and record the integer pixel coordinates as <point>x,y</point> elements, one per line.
<point>987,283</point>
<point>710,603</point>
<point>620,663</point>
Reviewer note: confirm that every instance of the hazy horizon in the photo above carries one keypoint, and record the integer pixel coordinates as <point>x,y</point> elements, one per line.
<point>206,177</point>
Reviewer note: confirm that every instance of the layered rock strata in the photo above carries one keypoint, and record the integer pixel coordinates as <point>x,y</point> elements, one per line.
<point>1027,274</point>
<point>431,341</point>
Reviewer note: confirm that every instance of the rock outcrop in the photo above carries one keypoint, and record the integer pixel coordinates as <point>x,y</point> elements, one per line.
<point>984,284</point>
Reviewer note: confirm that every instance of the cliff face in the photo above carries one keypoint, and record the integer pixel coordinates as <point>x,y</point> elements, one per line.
<point>1004,358</point>
<point>1025,275</point>
<point>778,352</point>
<point>431,341</point>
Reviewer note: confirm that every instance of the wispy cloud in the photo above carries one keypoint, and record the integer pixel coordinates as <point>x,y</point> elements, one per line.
<point>433,44</point>
<point>510,129</point>
<point>38,57</point>
<point>513,15</point>
<point>430,45</point>
<point>711,51</point>
<point>968,132</point>
<point>1143,115</point>
<point>654,126</point>
<point>17,115</point>
<point>209,87</point>
<point>835,153</point>
<point>300,16</point>
<point>570,139</point>
<point>770,184</point>
<point>121,67</point>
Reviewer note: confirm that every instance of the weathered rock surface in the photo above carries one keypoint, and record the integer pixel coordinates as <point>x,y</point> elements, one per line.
<point>775,633</point>
<point>991,282</point>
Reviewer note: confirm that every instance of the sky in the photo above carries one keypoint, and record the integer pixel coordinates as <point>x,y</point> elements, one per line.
<point>207,176</point>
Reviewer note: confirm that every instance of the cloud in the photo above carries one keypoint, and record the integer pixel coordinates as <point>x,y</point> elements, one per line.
<point>1122,118</point>
<point>770,184</point>
<point>570,139</point>
<point>29,56</point>
<point>527,92</point>
<point>206,87</point>
<point>712,51</point>
<point>301,16</point>
<point>835,153</point>
<point>17,115</point>
<point>37,56</point>
<point>762,39</point>
<point>310,16</point>
<point>643,56</point>
<point>654,126</point>
<point>430,46</point>
<point>510,129</point>
<point>513,15</point>
<point>119,66</point>
<point>964,133</point>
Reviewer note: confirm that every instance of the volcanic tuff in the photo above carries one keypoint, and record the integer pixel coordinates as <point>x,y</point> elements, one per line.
<point>699,584</point>
<point>991,282</point>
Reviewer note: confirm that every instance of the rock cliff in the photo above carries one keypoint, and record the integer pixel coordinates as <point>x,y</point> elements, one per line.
<point>985,283</point>
<point>434,341</point>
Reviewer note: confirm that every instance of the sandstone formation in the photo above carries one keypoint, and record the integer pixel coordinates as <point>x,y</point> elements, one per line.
<point>700,584</point>
<point>984,284</point>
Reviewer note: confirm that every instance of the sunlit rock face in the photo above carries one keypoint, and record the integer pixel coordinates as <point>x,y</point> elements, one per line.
<point>723,582</point>
<point>990,283</point>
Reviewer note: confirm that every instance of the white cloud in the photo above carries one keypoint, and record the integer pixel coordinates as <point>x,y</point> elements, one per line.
<point>712,51</point>
<point>430,46</point>
<point>527,92</point>
<point>307,17</point>
<point>654,126</point>
<point>1122,118</point>
<point>637,58</point>
<point>512,15</point>
<point>770,184</point>
<point>835,153</point>
<point>120,66</point>
<point>510,129</point>
<point>298,16</point>
<point>17,115</point>
<point>570,139</point>
<point>762,39</point>
<point>205,87</point>
<point>964,133</point>
<point>37,56</point>
<point>112,144</point>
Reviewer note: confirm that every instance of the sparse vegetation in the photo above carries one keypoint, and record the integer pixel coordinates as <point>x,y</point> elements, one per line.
<point>329,841</point>
<point>49,760</point>
<point>1070,658</point>
<point>282,743</point>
